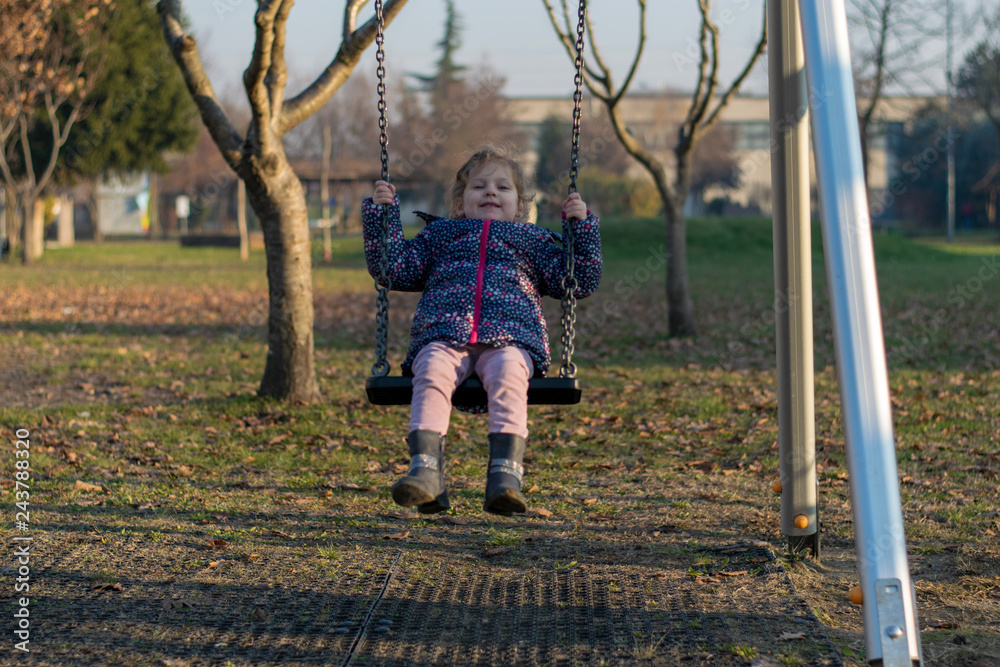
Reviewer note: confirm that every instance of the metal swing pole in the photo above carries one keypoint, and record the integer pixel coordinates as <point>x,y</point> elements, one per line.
<point>792,277</point>
<point>889,605</point>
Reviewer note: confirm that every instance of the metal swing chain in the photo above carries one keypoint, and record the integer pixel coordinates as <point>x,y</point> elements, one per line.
<point>383,283</point>
<point>569,283</point>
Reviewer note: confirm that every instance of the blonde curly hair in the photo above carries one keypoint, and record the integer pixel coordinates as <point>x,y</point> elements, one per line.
<point>483,156</point>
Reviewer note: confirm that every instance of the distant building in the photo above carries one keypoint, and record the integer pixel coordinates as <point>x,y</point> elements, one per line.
<point>653,118</point>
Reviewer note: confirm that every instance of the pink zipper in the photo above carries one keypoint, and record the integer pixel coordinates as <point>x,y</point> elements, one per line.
<point>480,276</point>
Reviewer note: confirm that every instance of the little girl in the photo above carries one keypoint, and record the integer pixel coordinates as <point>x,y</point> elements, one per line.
<point>482,273</point>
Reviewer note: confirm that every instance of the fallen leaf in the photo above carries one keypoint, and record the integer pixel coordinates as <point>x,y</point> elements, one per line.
<point>544,513</point>
<point>219,564</point>
<point>177,604</point>
<point>532,489</point>
<point>708,580</point>
<point>107,587</point>
<point>704,466</point>
<point>218,544</point>
<point>732,574</point>
<point>84,486</point>
<point>397,536</point>
<point>455,520</point>
<point>489,552</point>
<point>353,487</point>
<point>589,501</point>
<point>791,636</point>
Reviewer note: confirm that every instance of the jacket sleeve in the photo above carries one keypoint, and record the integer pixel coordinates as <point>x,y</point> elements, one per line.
<point>408,261</point>
<point>587,263</point>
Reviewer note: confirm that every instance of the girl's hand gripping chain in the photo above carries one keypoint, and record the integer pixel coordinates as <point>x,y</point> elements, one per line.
<point>574,207</point>
<point>384,192</point>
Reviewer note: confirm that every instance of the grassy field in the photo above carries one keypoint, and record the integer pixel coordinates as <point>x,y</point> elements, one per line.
<point>135,367</point>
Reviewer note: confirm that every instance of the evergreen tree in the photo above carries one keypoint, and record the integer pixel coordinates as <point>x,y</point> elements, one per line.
<point>460,114</point>
<point>139,107</point>
<point>447,78</point>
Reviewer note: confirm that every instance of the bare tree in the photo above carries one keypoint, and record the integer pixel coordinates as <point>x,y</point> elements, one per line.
<point>978,84</point>
<point>889,49</point>
<point>714,161</point>
<point>352,119</point>
<point>51,60</point>
<point>258,158</point>
<point>707,103</point>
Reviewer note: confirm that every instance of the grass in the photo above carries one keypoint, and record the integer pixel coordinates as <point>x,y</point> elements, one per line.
<point>135,368</point>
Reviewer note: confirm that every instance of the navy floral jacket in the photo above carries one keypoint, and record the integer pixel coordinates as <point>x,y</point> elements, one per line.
<point>483,280</point>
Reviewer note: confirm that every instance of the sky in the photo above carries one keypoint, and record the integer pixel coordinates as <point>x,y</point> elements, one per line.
<point>513,37</point>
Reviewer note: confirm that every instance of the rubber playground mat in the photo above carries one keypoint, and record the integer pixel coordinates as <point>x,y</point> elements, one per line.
<point>426,594</point>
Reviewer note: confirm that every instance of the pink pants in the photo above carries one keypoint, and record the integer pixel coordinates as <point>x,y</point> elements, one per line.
<point>439,368</point>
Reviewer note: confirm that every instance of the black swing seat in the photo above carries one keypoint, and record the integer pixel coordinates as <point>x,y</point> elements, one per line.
<point>398,390</point>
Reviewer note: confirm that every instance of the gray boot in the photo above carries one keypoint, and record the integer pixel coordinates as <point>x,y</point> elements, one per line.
<point>423,485</point>
<point>503,477</point>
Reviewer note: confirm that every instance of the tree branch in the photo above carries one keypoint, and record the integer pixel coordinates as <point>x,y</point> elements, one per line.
<point>702,67</point>
<point>29,167</point>
<point>277,75</point>
<point>590,76</point>
<point>254,78</point>
<point>351,17</point>
<point>610,97</point>
<point>59,136</point>
<point>336,73</point>
<point>638,52</point>
<point>185,53</point>
<point>738,81</point>
<point>708,80</point>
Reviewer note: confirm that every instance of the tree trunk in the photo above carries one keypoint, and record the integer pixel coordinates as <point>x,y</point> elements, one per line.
<point>34,229</point>
<point>276,195</point>
<point>680,311</point>
<point>12,222</point>
<point>94,207</point>
<point>67,233</point>
<point>324,194</point>
<point>241,219</point>
<point>865,129</point>
<point>153,208</point>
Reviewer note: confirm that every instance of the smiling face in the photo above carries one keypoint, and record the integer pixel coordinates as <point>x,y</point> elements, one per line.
<point>491,194</point>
